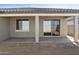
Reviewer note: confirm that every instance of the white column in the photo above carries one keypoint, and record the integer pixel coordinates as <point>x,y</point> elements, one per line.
<point>36,29</point>
<point>76,28</point>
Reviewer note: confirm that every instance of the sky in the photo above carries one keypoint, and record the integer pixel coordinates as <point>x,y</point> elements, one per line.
<point>68,6</point>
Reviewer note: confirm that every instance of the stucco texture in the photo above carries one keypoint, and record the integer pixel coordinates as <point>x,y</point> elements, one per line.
<point>8,27</point>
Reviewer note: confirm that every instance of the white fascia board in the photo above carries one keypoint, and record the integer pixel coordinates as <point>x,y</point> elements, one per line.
<point>8,15</point>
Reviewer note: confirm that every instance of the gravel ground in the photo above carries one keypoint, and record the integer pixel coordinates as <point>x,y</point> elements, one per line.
<point>38,49</point>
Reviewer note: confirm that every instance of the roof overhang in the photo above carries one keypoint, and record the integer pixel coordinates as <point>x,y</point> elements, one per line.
<point>64,14</point>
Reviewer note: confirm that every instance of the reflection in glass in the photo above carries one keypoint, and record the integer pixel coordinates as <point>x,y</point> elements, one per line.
<point>22,24</point>
<point>51,27</point>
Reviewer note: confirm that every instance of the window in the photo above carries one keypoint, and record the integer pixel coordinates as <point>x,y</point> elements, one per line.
<point>22,25</point>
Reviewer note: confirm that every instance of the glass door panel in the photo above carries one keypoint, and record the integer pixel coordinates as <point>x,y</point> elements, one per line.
<point>51,27</point>
<point>47,26</point>
<point>55,27</point>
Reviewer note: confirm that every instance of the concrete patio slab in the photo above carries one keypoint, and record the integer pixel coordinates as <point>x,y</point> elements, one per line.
<point>38,49</point>
<point>54,40</point>
<point>46,46</point>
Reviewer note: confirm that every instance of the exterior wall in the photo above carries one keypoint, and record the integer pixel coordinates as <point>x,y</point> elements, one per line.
<point>31,33</point>
<point>14,33</point>
<point>63,27</point>
<point>4,28</point>
<point>70,30</point>
<point>8,25</point>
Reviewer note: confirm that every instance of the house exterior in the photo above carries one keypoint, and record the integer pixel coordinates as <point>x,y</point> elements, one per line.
<point>36,22</point>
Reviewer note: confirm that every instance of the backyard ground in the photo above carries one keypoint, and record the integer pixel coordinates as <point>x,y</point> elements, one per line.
<point>38,49</point>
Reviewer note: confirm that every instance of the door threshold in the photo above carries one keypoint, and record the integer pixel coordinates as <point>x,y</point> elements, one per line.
<point>52,36</point>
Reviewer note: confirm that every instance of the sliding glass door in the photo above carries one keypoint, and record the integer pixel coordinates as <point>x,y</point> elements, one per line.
<point>51,27</point>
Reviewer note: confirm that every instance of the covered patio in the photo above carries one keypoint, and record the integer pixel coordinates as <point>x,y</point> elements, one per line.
<point>52,39</point>
<point>11,25</point>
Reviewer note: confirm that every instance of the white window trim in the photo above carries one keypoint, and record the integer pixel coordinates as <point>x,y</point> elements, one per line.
<point>22,30</point>
<point>60,27</point>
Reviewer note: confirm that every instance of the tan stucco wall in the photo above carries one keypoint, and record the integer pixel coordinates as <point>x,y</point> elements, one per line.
<point>14,33</point>
<point>4,28</point>
<point>63,27</point>
<point>31,33</point>
<point>70,30</point>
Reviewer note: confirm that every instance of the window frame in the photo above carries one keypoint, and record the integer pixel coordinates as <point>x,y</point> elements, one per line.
<point>54,19</point>
<point>22,30</point>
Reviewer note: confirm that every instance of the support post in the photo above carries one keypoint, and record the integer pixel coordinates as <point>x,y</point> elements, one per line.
<point>37,29</point>
<point>76,29</point>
